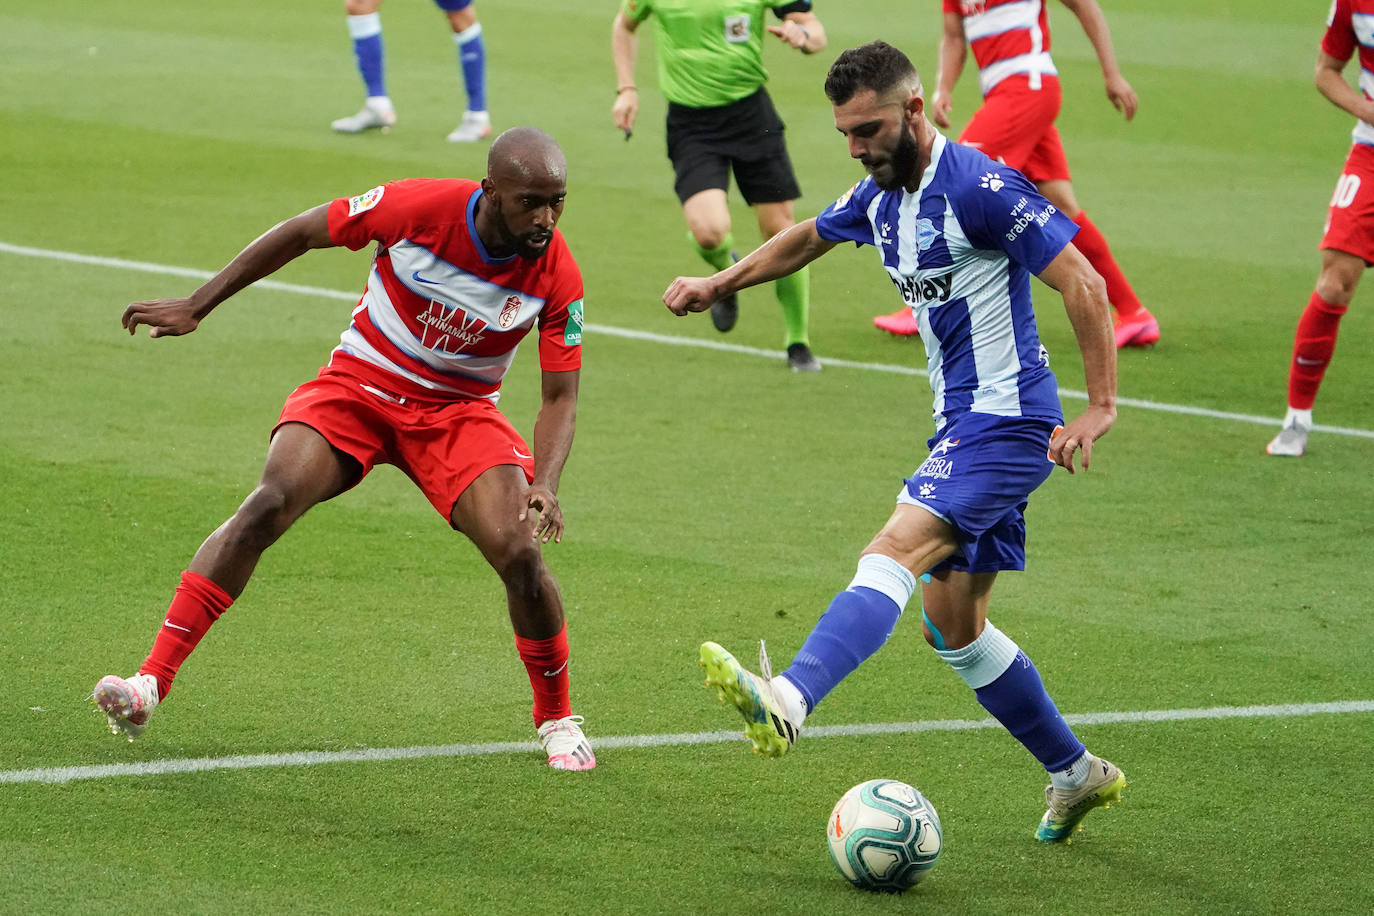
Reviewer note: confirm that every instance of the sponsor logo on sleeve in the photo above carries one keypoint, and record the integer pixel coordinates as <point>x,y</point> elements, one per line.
<point>573,335</point>
<point>365,201</point>
<point>1024,216</point>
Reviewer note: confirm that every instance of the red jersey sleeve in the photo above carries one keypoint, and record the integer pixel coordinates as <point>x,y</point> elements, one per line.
<point>395,210</point>
<point>954,6</point>
<point>1339,40</point>
<point>560,323</point>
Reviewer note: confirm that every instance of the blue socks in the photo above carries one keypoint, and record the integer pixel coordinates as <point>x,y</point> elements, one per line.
<point>1009,688</point>
<point>857,623</point>
<point>472,57</point>
<point>366,32</point>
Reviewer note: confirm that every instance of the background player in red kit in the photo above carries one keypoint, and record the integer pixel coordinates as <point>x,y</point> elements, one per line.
<point>462,272</point>
<point>1347,244</point>
<point>1015,125</point>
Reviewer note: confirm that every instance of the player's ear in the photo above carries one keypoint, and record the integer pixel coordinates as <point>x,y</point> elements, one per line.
<point>488,186</point>
<point>915,108</point>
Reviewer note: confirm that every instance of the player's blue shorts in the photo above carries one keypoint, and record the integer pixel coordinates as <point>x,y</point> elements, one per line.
<point>981,470</point>
<point>453,6</point>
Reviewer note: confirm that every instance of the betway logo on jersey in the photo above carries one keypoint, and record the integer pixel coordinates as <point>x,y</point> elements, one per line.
<point>449,328</point>
<point>915,290</point>
<point>1025,217</point>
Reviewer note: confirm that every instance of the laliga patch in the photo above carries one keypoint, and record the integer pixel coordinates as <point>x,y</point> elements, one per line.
<point>572,336</point>
<point>365,201</point>
<point>844,198</point>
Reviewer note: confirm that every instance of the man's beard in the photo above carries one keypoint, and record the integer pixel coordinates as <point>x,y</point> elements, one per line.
<point>900,163</point>
<point>522,244</point>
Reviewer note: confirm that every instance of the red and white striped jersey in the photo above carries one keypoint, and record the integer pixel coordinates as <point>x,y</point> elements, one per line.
<point>440,318</point>
<point>1350,25</point>
<point>1008,37</point>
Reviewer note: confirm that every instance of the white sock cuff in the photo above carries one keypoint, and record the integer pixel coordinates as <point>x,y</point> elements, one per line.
<point>365,26</point>
<point>985,659</point>
<point>468,34</point>
<point>884,574</point>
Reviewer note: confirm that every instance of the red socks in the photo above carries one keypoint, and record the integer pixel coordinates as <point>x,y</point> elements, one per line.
<point>1313,345</point>
<point>1091,242</point>
<point>197,604</point>
<point>546,660</point>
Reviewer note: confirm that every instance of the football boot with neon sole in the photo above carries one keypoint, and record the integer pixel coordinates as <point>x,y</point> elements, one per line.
<point>1068,807</point>
<point>765,721</point>
<point>567,747</point>
<point>475,126</point>
<point>128,704</point>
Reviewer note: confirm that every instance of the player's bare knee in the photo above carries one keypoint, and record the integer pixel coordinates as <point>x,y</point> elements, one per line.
<point>263,517</point>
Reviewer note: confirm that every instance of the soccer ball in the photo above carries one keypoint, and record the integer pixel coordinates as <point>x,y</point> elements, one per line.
<point>884,836</point>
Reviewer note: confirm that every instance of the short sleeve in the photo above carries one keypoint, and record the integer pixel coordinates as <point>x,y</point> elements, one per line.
<point>385,214</point>
<point>637,10</point>
<point>1339,41</point>
<point>1001,210</point>
<point>846,220</point>
<point>560,323</point>
<point>954,6</point>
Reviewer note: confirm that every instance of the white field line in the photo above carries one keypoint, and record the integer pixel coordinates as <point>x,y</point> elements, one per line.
<point>61,775</point>
<point>667,339</point>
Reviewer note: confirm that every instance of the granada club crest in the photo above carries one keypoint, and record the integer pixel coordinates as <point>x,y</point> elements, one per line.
<point>509,312</point>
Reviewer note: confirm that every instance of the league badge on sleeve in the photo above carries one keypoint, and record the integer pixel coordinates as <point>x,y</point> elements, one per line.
<point>365,201</point>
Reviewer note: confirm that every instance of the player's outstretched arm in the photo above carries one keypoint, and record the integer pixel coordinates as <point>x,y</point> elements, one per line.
<point>802,31</point>
<point>624,52</point>
<point>273,249</point>
<point>553,436</point>
<point>1119,92</point>
<point>783,254</point>
<point>1085,299</point>
<point>953,51</point>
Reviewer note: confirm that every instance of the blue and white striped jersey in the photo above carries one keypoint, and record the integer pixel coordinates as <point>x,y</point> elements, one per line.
<point>961,251</point>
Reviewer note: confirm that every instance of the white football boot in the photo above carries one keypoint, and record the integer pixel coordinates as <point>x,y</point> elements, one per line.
<point>377,113</point>
<point>567,747</point>
<point>127,704</point>
<point>476,125</point>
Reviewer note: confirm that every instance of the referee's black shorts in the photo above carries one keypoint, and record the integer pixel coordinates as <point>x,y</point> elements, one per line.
<point>705,144</point>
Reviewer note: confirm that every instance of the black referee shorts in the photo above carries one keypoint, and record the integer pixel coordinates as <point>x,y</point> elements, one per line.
<point>705,144</point>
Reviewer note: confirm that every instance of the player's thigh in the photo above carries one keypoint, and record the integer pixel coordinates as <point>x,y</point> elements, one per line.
<point>915,537</point>
<point>1349,226</point>
<point>488,513</point>
<point>304,469</point>
<point>1010,124</point>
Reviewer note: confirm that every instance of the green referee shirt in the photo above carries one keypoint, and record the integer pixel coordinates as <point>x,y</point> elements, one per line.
<point>710,52</point>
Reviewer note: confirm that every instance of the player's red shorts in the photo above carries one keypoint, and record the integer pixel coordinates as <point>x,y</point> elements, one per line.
<point>1015,125</point>
<point>441,445</point>
<point>1350,220</point>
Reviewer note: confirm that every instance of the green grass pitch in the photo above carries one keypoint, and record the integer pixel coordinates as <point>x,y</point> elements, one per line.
<point>711,495</point>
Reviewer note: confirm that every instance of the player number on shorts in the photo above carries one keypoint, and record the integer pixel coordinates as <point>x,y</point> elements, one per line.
<point>1346,189</point>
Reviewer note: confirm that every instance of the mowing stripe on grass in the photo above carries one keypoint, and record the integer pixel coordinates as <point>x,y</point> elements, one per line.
<point>71,257</point>
<point>382,754</point>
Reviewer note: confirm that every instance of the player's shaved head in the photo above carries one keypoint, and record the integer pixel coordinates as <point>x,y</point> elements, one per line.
<point>876,66</point>
<point>524,154</point>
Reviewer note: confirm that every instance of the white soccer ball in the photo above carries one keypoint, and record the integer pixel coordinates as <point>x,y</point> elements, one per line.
<point>884,836</point>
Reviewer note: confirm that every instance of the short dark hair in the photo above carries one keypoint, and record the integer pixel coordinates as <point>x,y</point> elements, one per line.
<point>877,66</point>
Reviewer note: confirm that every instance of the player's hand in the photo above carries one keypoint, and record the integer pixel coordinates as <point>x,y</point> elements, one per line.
<point>1081,433</point>
<point>790,32</point>
<point>690,294</point>
<point>625,109</point>
<point>940,107</point>
<point>164,317</point>
<point>1122,96</point>
<point>548,514</point>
